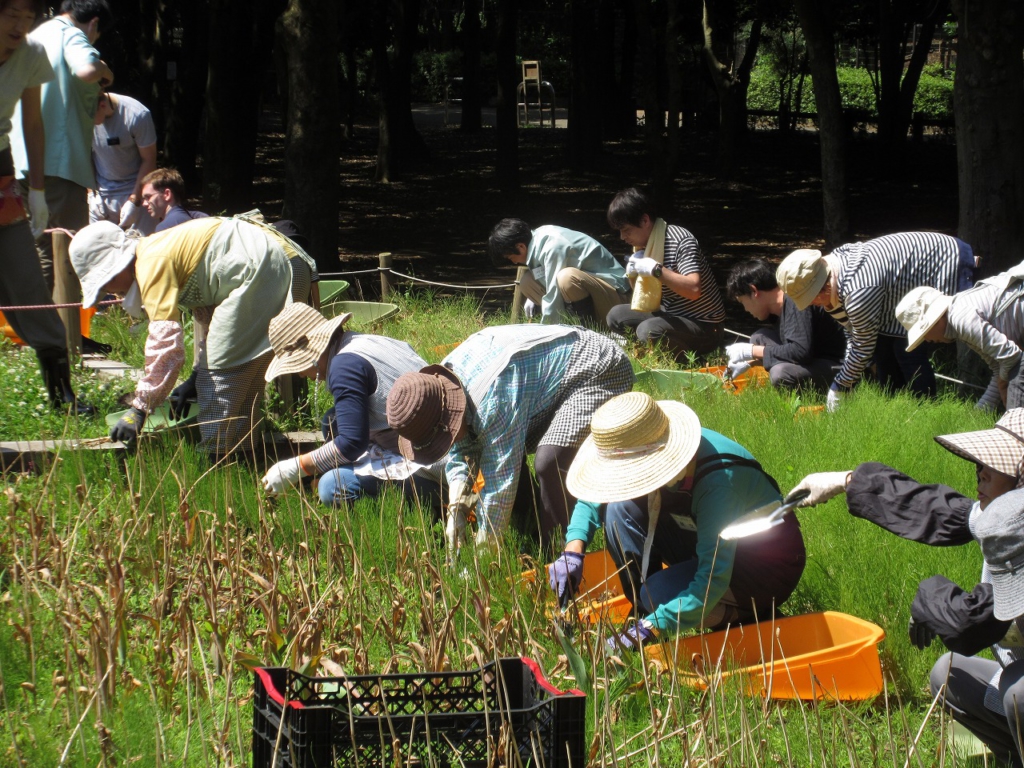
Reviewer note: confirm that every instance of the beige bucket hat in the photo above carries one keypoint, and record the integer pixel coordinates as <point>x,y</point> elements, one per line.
<point>919,311</point>
<point>1000,448</point>
<point>801,275</point>
<point>636,445</point>
<point>299,335</point>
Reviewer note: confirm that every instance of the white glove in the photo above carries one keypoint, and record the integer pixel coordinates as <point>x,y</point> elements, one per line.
<point>740,353</point>
<point>529,308</point>
<point>282,476</point>
<point>38,211</point>
<point>630,269</point>
<point>640,265</point>
<point>735,370</point>
<point>129,214</point>
<point>823,486</point>
<point>455,523</point>
<point>832,401</point>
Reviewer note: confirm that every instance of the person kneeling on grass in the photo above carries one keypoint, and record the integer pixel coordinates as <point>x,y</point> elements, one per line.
<point>664,488</point>
<point>988,318</point>
<point>806,347</point>
<point>360,369</point>
<point>966,622</point>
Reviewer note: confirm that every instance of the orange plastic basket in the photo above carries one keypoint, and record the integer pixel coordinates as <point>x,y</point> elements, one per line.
<point>85,316</point>
<point>754,375</point>
<point>826,655</point>
<point>600,597</point>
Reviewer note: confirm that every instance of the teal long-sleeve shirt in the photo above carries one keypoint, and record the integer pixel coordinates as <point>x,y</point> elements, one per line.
<point>552,249</point>
<point>719,498</point>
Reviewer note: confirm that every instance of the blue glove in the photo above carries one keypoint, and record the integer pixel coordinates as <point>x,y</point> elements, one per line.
<point>632,639</point>
<point>565,575</point>
<point>128,427</point>
<point>182,397</point>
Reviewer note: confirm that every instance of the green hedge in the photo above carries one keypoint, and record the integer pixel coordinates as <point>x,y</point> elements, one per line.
<point>934,95</point>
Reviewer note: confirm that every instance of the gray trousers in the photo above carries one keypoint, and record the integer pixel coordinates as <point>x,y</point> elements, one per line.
<point>229,407</point>
<point>817,373</point>
<point>967,678</point>
<point>679,334</point>
<point>69,209</point>
<point>22,283</point>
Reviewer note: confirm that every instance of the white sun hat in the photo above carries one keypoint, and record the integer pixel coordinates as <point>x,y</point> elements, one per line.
<point>919,311</point>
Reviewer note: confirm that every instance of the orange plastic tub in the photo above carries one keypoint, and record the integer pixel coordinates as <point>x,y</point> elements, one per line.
<point>600,597</point>
<point>85,320</point>
<point>754,375</point>
<point>826,655</point>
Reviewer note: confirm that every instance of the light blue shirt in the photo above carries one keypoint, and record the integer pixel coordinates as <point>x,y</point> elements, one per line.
<point>552,249</point>
<point>68,105</point>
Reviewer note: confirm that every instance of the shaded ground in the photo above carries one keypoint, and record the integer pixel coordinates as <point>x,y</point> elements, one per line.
<point>436,219</point>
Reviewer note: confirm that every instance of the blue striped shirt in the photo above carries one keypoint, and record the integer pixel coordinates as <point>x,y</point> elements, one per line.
<point>872,278</point>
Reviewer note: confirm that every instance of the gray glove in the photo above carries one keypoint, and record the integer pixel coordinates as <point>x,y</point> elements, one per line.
<point>822,486</point>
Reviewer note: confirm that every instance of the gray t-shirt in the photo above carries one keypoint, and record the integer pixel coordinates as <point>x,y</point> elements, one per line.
<point>27,67</point>
<point>116,142</point>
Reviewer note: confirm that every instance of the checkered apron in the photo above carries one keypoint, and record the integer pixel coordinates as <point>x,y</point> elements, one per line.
<point>229,406</point>
<point>597,371</point>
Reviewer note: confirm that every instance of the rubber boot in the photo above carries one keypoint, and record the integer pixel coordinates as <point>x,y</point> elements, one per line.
<point>584,310</point>
<point>57,377</point>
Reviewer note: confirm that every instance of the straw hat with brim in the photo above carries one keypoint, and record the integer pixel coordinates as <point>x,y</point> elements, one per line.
<point>1000,531</point>
<point>1000,448</point>
<point>801,275</point>
<point>99,252</point>
<point>636,446</point>
<point>299,336</point>
<point>919,311</point>
<point>426,409</point>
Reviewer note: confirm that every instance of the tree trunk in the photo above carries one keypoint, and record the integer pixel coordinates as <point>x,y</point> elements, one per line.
<point>617,31</point>
<point>187,91</point>
<point>988,105</point>
<point>661,138</point>
<point>831,124</point>
<point>312,142</point>
<point>584,91</point>
<point>472,104</point>
<point>507,131</point>
<point>232,105</point>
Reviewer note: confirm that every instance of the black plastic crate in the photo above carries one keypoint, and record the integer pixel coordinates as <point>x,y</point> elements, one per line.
<point>504,713</point>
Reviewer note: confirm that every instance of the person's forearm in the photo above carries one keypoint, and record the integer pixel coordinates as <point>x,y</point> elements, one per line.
<point>97,72</point>
<point>147,167</point>
<point>687,286</point>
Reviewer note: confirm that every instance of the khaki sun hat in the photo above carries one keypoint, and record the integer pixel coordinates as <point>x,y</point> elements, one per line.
<point>919,311</point>
<point>299,335</point>
<point>801,275</point>
<point>1000,531</point>
<point>426,409</point>
<point>636,445</point>
<point>99,252</point>
<point>1000,448</point>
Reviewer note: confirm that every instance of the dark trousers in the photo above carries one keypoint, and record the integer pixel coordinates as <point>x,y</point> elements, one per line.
<point>817,373</point>
<point>678,334</point>
<point>896,368</point>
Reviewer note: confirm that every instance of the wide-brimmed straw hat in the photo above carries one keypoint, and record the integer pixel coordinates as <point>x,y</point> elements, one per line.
<point>426,409</point>
<point>919,311</point>
<point>636,445</point>
<point>801,275</point>
<point>1000,531</point>
<point>299,335</point>
<point>99,252</point>
<point>1000,448</point>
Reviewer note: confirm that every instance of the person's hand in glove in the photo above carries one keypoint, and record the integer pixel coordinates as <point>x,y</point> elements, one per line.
<point>565,575</point>
<point>641,265</point>
<point>740,355</point>
<point>458,512</point>
<point>529,308</point>
<point>822,487</point>
<point>832,401</point>
<point>129,214</point>
<point>630,270</point>
<point>38,211</point>
<point>632,639</point>
<point>282,476</point>
<point>128,427</point>
<point>921,635</point>
<point>180,400</point>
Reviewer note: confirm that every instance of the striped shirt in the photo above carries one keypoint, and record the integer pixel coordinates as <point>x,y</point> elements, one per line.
<point>683,256</point>
<point>995,333</point>
<point>873,277</point>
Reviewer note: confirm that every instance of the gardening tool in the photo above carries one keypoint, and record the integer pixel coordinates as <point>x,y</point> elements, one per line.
<point>763,518</point>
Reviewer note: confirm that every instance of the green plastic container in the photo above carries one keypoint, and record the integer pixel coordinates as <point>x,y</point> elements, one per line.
<point>363,312</point>
<point>332,290</point>
<point>672,385</point>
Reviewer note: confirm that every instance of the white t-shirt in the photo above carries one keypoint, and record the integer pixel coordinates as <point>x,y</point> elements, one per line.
<point>116,142</point>
<point>27,67</point>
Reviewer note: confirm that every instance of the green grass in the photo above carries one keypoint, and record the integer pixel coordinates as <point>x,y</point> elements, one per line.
<point>131,587</point>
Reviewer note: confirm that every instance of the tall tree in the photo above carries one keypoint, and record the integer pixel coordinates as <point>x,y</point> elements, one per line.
<point>820,41</point>
<point>232,105</point>
<point>988,105</point>
<point>731,81</point>
<point>185,77</point>
<point>617,33</point>
<point>507,130</point>
<point>312,140</point>
<point>585,92</point>
<point>472,103</point>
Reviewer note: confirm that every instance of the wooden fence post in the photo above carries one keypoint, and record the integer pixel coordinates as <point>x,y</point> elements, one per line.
<point>385,275</point>
<point>67,290</point>
<point>517,296</point>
